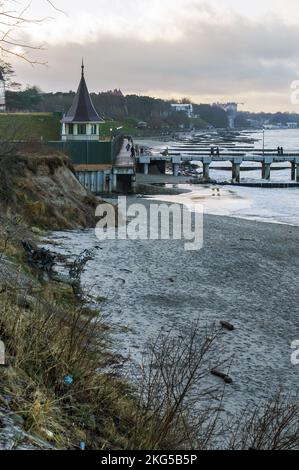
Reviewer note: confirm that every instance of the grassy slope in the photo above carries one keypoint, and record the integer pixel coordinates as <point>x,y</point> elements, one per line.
<point>128,127</point>
<point>31,126</point>
<point>48,332</point>
<point>49,335</point>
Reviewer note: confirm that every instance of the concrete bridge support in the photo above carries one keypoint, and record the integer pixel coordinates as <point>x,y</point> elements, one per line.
<point>114,183</point>
<point>293,171</point>
<point>145,168</point>
<point>267,171</point>
<point>266,168</point>
<point>206,171</point>
<point>263,171</point>
<point>236,170</point>
<point>175,168</point>
<point>133,184</point>
<point>176,161</point>
<point>206,162</point>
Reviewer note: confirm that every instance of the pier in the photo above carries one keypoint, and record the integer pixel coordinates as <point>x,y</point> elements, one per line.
<point>237,159</point>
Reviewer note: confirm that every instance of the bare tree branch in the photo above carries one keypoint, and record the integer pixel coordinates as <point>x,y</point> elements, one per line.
<point>12,20</point>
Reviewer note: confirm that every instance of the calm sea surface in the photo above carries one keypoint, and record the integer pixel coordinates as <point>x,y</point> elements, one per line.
<point>264,204</point>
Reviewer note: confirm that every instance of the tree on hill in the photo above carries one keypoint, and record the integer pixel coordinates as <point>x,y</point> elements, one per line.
<point>213,115</point>
<point>27,100</point>
<point>8,74</point>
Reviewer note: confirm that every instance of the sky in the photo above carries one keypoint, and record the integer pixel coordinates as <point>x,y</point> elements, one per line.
<point>207,50</point>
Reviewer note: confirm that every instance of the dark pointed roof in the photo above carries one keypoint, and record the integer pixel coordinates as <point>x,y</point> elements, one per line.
<point>82,109</point>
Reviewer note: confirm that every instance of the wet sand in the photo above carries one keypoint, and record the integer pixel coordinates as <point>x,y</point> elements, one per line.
<point>246,273</point>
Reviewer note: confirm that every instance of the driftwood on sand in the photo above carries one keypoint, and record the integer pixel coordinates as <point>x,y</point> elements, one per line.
<point>225,377</point>
<point>44,262</point>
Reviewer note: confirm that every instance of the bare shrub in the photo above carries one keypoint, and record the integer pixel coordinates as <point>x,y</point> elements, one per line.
<point>177,409</point>
<point>273,425</point>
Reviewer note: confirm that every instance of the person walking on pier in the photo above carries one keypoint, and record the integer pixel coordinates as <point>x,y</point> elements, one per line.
<point>133,152</point>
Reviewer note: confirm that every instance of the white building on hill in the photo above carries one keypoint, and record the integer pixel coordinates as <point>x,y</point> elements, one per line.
<point>183,108</point>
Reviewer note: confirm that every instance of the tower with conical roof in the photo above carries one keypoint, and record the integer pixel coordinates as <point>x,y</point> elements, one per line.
<point>82,121</point>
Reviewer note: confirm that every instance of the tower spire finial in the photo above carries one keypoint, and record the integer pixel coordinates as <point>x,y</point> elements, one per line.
<point>82,67</point>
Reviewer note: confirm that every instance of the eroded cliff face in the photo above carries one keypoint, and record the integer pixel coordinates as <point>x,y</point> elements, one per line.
<point>43,191</point>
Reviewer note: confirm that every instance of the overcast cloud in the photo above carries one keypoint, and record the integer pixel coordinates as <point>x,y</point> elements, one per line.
<point>207,50</point>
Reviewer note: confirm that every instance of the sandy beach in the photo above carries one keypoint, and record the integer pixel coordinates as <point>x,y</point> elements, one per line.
<point>246,273</point>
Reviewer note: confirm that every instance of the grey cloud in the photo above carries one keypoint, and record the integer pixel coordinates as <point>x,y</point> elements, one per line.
<point>240,57</point>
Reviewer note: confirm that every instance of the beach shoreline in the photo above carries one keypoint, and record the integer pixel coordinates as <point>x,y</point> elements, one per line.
<point>246,274</point>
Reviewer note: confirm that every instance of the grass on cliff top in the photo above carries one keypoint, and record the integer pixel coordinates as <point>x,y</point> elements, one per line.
<point>128,127</point>
<point>29,126</point>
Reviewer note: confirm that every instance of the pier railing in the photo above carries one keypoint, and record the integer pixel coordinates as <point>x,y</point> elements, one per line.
<point>236,159</point>
<point>116,146</point>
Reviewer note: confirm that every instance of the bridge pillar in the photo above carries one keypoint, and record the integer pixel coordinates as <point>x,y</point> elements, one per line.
<point>236,169</point>
<point>114,182</point>
<point>133,183</point>
<point>176,161</point>
<point>206,171</point>
<point>263,171</point>
<point>293,171</point>
<point>206,162</point>
<point>175,167</point>
<point>237,172</point>
<point>145,168</point>
<point>110,185</point>
<point>267,171</point>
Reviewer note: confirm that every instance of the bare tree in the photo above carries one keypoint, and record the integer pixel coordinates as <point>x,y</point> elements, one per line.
<point>178,409</point>
<point>273,425</point>
<point>14,16</point>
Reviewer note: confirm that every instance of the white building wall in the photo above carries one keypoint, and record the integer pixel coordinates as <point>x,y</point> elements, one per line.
<point>2,97</point>
<point>75,136</point>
